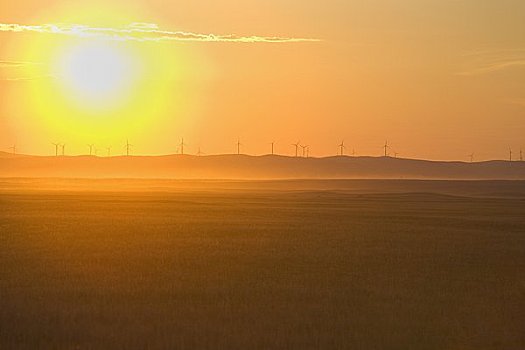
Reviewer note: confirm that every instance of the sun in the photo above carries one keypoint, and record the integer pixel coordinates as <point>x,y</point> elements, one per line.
<point>96,70</point>
<point>98,74</point>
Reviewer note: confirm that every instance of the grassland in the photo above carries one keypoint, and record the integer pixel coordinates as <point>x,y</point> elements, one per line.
<point>268,265</point>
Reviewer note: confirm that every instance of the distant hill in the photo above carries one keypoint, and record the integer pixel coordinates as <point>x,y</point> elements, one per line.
<point>253,167</point>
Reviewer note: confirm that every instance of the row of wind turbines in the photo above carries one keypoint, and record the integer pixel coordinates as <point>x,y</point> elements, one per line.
<point>93,151</point>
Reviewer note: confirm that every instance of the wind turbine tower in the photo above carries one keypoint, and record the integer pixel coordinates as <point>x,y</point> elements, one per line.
<point>239,146</point>
<point>296,147</point>
<point>199,153</point>
<point>63,146</point>
<point>510,154</point>
<point>386,147</point>
<point>13,148</point>
<point>521,155</point>
<point>342,148</point>
<point>272,143</point>
<point>56,148</point>
<point>91,148</point>
<point>471,156</point>
<point>128,147</point>
<point>182,144</point>
<point>109,151</point>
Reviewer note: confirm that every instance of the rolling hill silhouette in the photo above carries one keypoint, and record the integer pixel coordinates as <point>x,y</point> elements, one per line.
<point>253,167</point>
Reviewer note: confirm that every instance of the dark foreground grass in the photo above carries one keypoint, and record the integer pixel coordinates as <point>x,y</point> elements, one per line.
<point>256,270</point>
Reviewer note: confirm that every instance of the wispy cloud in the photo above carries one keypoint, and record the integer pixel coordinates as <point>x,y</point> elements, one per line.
<point>16,64</point>
<point>46,76</point>
<point>486,61</point>
<point>518,101</point>
<point>20,71</point>
<point>139,31</point>
<point>493,67</point>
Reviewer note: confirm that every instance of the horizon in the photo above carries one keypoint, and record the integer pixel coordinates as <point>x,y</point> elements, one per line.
<point>515,156</point>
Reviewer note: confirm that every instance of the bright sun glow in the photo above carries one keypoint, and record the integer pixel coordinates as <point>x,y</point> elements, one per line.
<point>103,91</point>
<point>99,74</point>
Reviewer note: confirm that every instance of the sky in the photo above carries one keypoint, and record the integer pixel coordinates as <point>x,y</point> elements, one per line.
<point>438,79</point>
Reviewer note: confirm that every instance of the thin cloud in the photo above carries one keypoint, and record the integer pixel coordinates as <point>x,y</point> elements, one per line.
<point>518,101</point>
<point>143,32</point>
<point>494,67</point>
<point>16,64</point>
<point>486,61</point>
<point>21,69</point>
<point>495,53</point>
<point>46,76</point>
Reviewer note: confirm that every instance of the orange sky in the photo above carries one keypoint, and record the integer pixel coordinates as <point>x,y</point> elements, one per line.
<point>438,79</point>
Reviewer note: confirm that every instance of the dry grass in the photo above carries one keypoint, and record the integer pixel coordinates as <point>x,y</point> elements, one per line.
<point>260,270</point>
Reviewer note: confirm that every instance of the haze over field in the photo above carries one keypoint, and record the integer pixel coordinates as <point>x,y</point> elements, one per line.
<point>253,167</point>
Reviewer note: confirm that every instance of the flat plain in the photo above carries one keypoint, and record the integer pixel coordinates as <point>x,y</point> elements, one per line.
<point>136,264</point>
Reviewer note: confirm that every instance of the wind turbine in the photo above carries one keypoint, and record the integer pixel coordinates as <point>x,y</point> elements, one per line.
<point>308,151</point>
<point>471,156</point>
<point>13,148</point>
<point>353,152</point>
<point>128,147</point>
<point>56,148</point>
<point>239,144</point>
<point>63,146</point>
<point>385,147</point>
<point>521,155</point>
<point>342,148</point>
<point>296,147</point>
<point>199,153</point>
<point>510,154</point>
<point>272,143</point>
<point>91,148</point>
<point>304,149</point>
<point>109,151</point>
<point>181,145</point>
